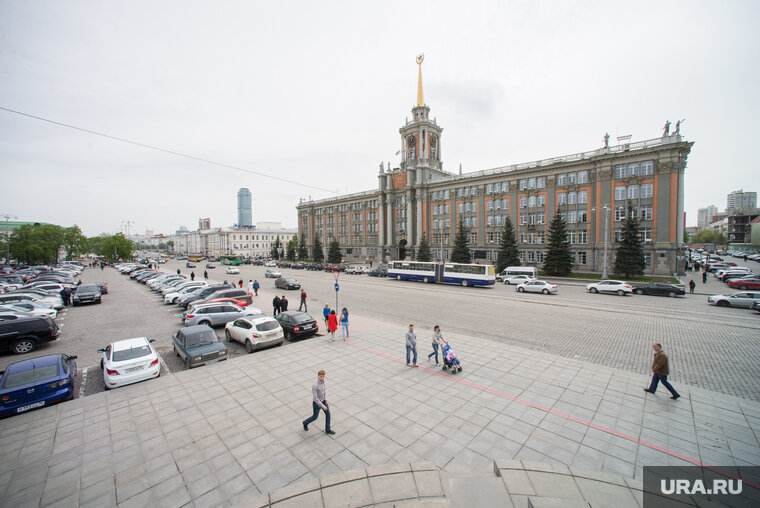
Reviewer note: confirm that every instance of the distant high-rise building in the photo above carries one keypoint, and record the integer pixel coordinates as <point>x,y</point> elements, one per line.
<point>244,207</point>
<point>740,200</point>
<point>705,216</point>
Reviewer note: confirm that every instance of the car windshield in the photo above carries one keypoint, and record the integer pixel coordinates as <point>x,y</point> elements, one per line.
<point>267,326</point>
<point>29,376</point>
<point>131,353</point>
<point>207,337</point>
<point>290,280</point>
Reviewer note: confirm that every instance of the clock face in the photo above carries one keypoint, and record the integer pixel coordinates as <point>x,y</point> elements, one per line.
<point>411,141</point>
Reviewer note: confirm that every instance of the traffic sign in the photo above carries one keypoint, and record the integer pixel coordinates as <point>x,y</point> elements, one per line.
<point>336,287</point>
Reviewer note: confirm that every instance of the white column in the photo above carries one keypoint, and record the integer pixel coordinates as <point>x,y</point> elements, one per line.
<point>380,228</point>
<point>419,218</point>
<point>409,237</point>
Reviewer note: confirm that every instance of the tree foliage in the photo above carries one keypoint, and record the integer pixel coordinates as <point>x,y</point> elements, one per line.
<point>36,243</point>
<point>317,250</point>
<point>423,254</point>
<point>708,236</point>
<point>274,253</point>
<point>75,242</point>
<point>629,255</point>
<point>508,253</point>
<point>461,252</point>
<point>558,260</point>
<point>113,247</point>
<point>290,252</point>
<point>303,250</point>
<point>333,253</point>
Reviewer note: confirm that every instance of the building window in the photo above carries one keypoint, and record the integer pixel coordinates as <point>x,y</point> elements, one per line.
<point>532,202</point>
<point>571,217</point>
<point>645,213</point>
<point>489,188</point>
<point>562,198</point>
<point>633,192</point>
<point>571,178</point>
<point>619,171</point>
<point>648,260</point>
<point>541,200</point>
<point>541,218</point>
<point>540,256</point>
<point>571,198</point>
<point>561,179</point>
<point>619,193</point>
<point>581,236</point>
<point>531,183</point>
<point>647,168</point>
<point>523,184</point>
<point>582,216</point>
<point>532,218</point>
<point>646,234</point>
<point>474,236</point>
<point>523,238</point>
<point>523,218</point>
<point>619,215</point>
<point>540,182</point>
<point>580,258</point>
<point>582,176</point>
<point>523,202</point>
<point>582,197</point>
<point>504,187</point>
<point>646,190</point>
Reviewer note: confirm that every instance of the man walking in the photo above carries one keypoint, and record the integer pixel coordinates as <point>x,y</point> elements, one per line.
<point>276,305</point>
<point>205,274</point>
<point>283,303</point>
<point>704,277</point>
<point>192,275</point>
<point>319,401</point>
<point>411,345</point>
<point>326,314</point>
<point>692,286</point>
<point>256,287</point>
<point>661,371</point>
<point>303,301</point>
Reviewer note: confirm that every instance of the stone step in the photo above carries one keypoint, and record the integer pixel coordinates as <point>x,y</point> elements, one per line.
<point>475,490</point>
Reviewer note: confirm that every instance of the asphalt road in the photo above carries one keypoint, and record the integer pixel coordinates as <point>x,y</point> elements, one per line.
<point>604,329</point>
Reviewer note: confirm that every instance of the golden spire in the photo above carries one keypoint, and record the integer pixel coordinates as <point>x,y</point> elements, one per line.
<point>420,95</point>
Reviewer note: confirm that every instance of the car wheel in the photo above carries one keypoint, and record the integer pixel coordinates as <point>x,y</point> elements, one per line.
<point>743,288</point>
<point>24,346</point>
<point>465,283</point>
<point>723,303</point>
<point>639,292</point>
<point>204,322</point>
<point>672,294</point>
<point>188,366</point>
<point>227,335</point>
<point>248,346</point>
<point>100,301</point>
<point>594,290</point>
<point>620,292</point>
<point>521,290</point>
<point>545,291</point>
<point>507,282</point>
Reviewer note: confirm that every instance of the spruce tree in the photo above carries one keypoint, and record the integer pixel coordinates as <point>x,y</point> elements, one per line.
<point>461,252</point>
<point>508,254</point>
<point>317,251</point>
<point>629,255</point>
<point>274,253</point>
<point>423,254</point>
<point>558,259</point>
<point>333,253</point>
<point>291,250</point>
<point>303,251</point>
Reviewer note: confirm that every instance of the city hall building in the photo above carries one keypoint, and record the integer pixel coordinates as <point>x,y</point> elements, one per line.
<point>593,191</point>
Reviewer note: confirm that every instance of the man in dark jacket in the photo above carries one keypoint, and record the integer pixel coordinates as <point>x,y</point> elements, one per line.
<point>284,303</point>
<point>660,372</point>
<point>276,304</point>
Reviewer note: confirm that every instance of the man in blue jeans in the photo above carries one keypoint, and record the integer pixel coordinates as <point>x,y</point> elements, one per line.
<point>411,345</point>
<point>660,372</point>
<point>319,401</point>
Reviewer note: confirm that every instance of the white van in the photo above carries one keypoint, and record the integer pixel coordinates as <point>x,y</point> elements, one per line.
<point>507,275</point>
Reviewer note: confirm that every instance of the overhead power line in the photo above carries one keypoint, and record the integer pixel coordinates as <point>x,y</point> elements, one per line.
<point>158,149</point>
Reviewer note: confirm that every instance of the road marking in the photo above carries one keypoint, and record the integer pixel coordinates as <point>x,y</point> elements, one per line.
<point>556,413</point>
<point>84,382</point>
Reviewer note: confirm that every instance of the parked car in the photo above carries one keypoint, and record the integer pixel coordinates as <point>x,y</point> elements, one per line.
<point>610,286</point>
<point>537,286</point>
<point>233,301</point>
<point>30,308</point>
<point>659,289</point>
<point>271,263</point>
<point>272,274</point>
<point>297,324</point>
<point>198,345</point>
<point>333,268</point>
<point>355,269</point>
<point>378,272</point>
<point>255,332</point>
<point>210,266</point>
<point>315,266</point>
<point>517,279</point>
<point>226,292</point>
<point>756,307</point>
<point>186,300</point>
<point>744,284</point>
<point>17,296</point>
<point>216,314</point>
<point>173,297</point>
<point>286,283</point>
<point>86,293</point>
<point>24,335</point>
<point>36,382</point>
<point>232,270</point>
<point>190,264</point>
<point>129,361</point>
<point>743,299</point>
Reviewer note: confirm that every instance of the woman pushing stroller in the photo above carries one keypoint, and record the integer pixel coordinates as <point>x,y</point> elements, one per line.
<point>450,359</point>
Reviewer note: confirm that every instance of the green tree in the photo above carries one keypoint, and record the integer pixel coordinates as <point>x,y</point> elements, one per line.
<point>508,254</point>
<point>333,253</point>
<point>291,249</point>
<point>115,247</point>
<point>36,243</point>
<point>75,242</point>
<point>303,250</point>
<point>708,236</point>
<point>317,251</point>
<point>274,253</point>
<point>558,259</point>
<point>461,252</point>
<point>169,245</point>
<point>629,255</point>
<point>423,254</point>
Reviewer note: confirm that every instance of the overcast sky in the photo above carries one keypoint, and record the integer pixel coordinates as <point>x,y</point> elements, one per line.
<point>315,92</point>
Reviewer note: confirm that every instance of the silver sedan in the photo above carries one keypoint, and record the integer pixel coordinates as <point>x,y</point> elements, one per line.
<point>743,299</point>
<point>537,286</point>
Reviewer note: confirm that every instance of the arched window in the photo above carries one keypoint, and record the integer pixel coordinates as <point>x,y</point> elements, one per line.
<point>411,147</point>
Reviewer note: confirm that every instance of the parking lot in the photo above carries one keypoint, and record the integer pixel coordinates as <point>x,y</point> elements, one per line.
<point>604,329</point>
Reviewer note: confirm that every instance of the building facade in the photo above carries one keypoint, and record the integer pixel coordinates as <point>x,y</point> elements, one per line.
<point>593,191</point>
<point>739,202</point>
<point>705,216</point>
<point>244,217</point>
<point>247,242</point>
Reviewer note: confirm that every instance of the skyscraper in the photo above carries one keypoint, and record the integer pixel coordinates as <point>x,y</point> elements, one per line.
<point>705,216</point>
<point>738,201</point>
<point>244,207</point>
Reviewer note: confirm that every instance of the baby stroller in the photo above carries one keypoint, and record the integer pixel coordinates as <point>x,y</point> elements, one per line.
<point>450,360</point>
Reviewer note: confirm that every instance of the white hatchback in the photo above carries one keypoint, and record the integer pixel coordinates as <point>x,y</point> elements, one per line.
<point>610,286</point>
<point>255,332</point>
<point>129,361</point>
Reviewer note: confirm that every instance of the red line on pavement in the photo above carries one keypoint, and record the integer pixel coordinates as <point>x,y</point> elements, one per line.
<point>563,415</point>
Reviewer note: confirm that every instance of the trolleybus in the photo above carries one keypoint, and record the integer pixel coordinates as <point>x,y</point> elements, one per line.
<point>465,274</point>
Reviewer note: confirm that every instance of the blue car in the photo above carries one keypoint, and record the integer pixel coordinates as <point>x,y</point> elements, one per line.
<point>36,382</point>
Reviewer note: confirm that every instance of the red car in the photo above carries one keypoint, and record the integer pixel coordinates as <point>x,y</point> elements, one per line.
<point>239,303</point>
<point>745,284</point>
<point>332,268</point>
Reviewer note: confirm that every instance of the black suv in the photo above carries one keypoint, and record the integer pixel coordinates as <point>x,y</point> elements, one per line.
<point>24,334</point>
